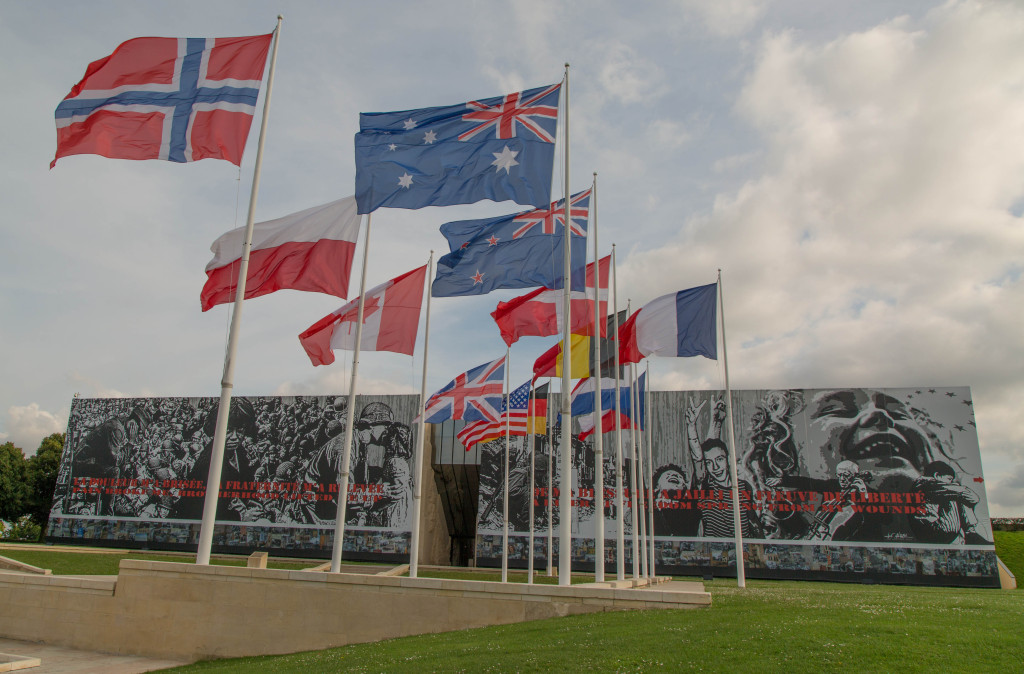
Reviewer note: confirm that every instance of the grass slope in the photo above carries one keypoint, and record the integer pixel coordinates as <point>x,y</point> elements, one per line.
<point>1010,548</point>
<point>769,627</point>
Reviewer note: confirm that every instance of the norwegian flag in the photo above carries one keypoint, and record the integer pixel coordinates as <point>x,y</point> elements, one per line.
<point>511,111</point>
<point>553,216</point>
<point>474,395</point>
<point>177,99</point>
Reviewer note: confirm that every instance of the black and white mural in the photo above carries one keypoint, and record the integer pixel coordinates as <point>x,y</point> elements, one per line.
<point>833,483</point>
<point>134,465</point>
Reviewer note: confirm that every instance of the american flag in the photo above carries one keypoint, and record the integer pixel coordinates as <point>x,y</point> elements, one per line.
<point>474,395</point>
<point>513,410</point>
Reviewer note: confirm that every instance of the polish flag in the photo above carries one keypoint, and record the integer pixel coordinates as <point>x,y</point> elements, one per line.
<point>391,316</point>
<point>539,313</point>
<point>311,250</point>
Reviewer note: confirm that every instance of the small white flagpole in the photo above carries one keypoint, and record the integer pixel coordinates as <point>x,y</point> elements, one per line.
<point>632,472</point>
<point>414,542</point>
<point>741,575</point>
<point>504,500</point>
<point>650,464</point>
<point>598,410</point>
<point>551,478</point>
<point>620,554</point>
<point>227,380</point>
<point>346,461</point>
<point>533,486</point>
<point>641,516</point>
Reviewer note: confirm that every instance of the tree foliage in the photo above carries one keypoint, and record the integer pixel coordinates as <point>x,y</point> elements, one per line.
<point>41,478</point>
<point>13,487</point>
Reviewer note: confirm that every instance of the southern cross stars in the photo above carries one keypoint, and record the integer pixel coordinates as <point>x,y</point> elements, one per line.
<point>478,278</point>
<point>429,137</point>
<point>505,159</point>
<point>493,241</point>
<point>405,180</point>
<point>392,147</point>
<point>409,124</point>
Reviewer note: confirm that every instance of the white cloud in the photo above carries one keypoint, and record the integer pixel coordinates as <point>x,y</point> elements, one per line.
<point>27,426</point>
<point>878,247</point>
<point>627,76</point>
<point>726,17</point>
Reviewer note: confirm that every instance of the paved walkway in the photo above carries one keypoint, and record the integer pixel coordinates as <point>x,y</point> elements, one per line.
<point>58,660</point>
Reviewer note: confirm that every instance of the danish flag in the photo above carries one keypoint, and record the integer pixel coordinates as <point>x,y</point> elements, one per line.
<point>178,99</point>
<point>472,396</point>
<point>505,115</point>
<point>553,216</point>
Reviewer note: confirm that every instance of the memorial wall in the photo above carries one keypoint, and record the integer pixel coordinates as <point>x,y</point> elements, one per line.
<point>134,472</point>
<point>862,485</point>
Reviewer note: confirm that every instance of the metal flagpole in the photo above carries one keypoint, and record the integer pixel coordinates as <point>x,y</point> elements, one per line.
<point>640,514</point>
<point>565,483</point>
<point>227,380</point>
<point>551,479</point>
<point>417,493</point>
<point>350,419</point>
<point>598,410</point>
<point>650,465</point>
<point>632,473</point>
<point>533,486</point>
<point>620,553</point>
<point>741,576</point>
<point>504,500</point>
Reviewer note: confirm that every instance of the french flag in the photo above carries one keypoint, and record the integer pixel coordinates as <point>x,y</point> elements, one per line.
<point>311,250</point>
<point>679,324</point>
<point>391,316</point>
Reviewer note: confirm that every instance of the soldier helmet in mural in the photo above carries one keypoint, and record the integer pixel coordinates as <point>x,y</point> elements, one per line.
<point>376,413</point>
<point>340,404</point>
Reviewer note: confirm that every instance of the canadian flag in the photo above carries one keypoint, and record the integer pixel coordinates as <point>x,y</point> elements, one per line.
<point>539,313</point>
<point>391,316</point>
<point>311,250</point>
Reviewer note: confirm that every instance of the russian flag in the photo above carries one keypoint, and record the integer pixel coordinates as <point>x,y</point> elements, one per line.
<point>679,324</point>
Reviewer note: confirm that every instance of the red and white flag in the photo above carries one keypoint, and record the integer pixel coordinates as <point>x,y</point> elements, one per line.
<point>391,316</point>
<point>311,250</point>
<point>177,99</point>
<point>539,313</point>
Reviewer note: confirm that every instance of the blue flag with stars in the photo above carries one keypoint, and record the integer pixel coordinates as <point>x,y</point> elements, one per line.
<point>525,250</point>
<point>500,148</point>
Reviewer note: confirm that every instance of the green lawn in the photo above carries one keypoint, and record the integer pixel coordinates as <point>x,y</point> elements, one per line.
<point>1010,547</point>
<point>769,627</point>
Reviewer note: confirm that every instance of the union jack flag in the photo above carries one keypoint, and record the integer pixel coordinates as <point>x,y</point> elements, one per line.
<point>513,411</point>
<point>178,99</point>
<point>474,395</point>
<point>512,110</point>
<point>553,217</point>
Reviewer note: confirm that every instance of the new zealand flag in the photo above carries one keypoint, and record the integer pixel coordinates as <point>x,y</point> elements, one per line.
<point>500,148</point>
<point>178,99</point>
<point>524,250</point>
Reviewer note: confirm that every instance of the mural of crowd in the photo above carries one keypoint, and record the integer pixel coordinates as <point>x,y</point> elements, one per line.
<point>148,460</point>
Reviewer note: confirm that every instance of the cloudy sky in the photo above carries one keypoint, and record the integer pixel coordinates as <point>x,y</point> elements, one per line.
<point>855,169</point>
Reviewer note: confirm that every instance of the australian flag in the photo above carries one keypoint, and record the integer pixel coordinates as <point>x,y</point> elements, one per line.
<point>178,99</point>
<point>525,250</point>
<point>500,148</point>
